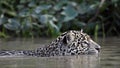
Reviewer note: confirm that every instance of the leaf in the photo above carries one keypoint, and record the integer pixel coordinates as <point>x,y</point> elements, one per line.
<point>32,4</point>
<point>59,6</point>
<point>11,13</point>
<point>115,1</point>
<point>26,25</point>
<point>73,3</point>
<point>34,15</point>
<point>53,25</point>
<point>41,8</point>
<point>81,24</point>
<point>85,8</point>
<point>12,24</point>
<point>24,13</point>
<point>23,1</point>
<point>44,19</point>
<point>82,8</point>
<point>69,12</point>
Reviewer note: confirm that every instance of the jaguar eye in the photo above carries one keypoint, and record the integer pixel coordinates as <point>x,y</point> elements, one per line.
<point>86,43</point>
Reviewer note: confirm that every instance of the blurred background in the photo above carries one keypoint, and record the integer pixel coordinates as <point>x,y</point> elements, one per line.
<point>29,24</point>
<point>49,18</point>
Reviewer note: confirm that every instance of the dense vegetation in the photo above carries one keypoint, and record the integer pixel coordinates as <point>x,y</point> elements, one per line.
<point>36,18</point>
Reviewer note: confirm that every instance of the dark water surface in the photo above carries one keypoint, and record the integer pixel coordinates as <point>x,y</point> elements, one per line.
<point>108,58</point>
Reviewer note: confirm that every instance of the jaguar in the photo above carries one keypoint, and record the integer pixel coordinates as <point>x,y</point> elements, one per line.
<point>67,44</point>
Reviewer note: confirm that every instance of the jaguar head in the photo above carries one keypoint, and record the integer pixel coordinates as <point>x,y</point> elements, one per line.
<point>79,42</point>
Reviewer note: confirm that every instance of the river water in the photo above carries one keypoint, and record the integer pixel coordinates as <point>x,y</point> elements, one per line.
<point>109,56</point>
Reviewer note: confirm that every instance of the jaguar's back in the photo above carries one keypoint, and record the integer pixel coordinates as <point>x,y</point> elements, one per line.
<point>68,43</point>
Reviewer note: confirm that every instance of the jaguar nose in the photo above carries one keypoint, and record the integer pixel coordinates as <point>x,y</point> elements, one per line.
<point>95,45</point>
<point>98,49</point>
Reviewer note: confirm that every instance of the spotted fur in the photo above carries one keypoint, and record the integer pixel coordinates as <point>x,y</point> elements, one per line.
<point>67,44</point>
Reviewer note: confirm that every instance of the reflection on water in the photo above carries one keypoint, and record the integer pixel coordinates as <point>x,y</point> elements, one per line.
<point>108,58</point>
<point>50,62</point>
<point>110,53</point>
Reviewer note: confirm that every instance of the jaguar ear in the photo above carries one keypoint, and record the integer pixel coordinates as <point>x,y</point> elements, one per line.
<point>65,40</point>
<point>68,38</point>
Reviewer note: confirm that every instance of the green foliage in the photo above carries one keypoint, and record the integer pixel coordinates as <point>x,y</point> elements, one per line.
<point>33,18</point>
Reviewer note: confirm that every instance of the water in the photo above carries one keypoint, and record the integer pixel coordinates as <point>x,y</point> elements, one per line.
<point>108,58</point>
